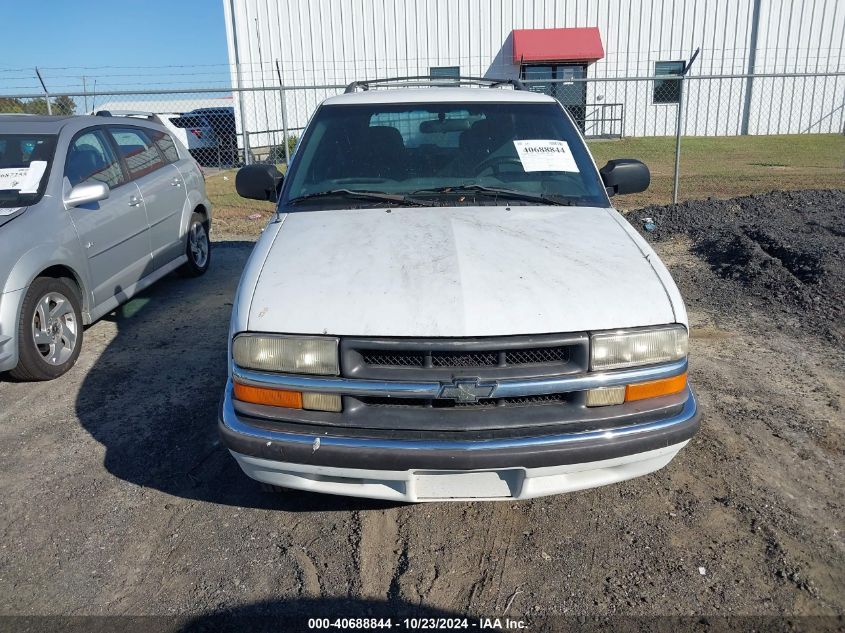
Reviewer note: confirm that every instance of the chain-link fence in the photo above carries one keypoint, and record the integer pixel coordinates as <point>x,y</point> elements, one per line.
<point>714,105</point>
<point>702,105</point>
<point>226,129</point>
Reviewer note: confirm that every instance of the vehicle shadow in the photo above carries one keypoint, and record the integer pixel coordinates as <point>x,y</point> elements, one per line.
<point>151,397</point>
<point>294,615</point>
<point>502,61</point>
<point>269,616</point>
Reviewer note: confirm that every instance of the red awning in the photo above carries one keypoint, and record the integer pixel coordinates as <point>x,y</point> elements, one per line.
<point>557,45</point>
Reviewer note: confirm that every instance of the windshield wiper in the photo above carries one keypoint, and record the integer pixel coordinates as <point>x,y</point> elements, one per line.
<point>377,196</point>
<point>505,193</point>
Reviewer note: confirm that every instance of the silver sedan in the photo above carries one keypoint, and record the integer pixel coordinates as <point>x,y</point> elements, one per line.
<point>93,209</point>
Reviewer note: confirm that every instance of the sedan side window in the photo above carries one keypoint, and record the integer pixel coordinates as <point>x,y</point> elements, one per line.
<point>138,151</point>
<point>90,157</point>
<point>166,145</point>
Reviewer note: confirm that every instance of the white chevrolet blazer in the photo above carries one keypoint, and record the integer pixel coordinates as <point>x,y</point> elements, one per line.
<point>447,306</point>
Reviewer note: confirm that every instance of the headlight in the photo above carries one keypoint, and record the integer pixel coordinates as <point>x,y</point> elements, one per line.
<point>288,354</point>
<point>618,349</point>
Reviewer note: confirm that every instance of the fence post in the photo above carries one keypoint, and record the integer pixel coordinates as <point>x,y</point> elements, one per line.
<point>677,173</point>
<point>682,89</point>
<point>247,158</point>
<point>285,127</point>
<point>284,113</point>
<point>46,92</point>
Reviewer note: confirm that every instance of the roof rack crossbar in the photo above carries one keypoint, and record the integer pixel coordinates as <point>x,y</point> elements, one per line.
<point>423,80</point>
<point>152,116</point>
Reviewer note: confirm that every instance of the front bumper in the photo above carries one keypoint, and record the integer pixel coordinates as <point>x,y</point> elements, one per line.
<point>444,485</point>
<point>448,468</point>
<point>10,307</point>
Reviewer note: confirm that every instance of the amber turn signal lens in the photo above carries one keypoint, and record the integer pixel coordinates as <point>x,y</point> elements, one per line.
<point>655,388</point>
<point>271,397</point>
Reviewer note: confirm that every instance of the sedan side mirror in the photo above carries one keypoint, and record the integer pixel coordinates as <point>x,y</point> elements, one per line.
<point>86,193</point>
<point>625,175</point>
<point>259,182</point>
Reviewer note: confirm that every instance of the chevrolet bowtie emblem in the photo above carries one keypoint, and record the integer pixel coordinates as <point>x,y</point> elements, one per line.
<point>467,390</point>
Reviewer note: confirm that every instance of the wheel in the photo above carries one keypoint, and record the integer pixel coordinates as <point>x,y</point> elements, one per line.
<point>50,330</point>
<point>198,248</point>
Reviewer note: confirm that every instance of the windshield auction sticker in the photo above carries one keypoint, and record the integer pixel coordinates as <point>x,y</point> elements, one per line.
<point>542,155</point>
<point>23,179</point>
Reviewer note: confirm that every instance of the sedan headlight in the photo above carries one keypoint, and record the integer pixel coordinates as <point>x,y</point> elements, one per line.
<point>647,346</point>
<point>288,354</point>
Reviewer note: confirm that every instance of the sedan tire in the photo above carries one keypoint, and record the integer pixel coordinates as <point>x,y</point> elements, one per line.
<point>49,331</point>
<point>197,248</point>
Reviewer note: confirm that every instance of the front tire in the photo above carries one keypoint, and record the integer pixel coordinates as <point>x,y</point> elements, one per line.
<point>49,331</point>
<point>197,248</point>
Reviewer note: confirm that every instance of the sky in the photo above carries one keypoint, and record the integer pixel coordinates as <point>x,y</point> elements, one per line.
<point>125,44</point>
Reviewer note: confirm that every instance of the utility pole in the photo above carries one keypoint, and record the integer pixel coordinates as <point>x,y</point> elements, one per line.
<point>263,91</point>
<point>239,79</point>
<point>752,67</point>
<point>46,93</point>
<point>85,94</point>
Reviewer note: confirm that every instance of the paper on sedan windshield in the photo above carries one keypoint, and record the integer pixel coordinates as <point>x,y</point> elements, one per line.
<point>23,179</point>
<point>545,155</point>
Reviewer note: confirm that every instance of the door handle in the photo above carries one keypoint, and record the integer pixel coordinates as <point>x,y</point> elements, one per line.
<point>176,182</point>
<point>134,201</point>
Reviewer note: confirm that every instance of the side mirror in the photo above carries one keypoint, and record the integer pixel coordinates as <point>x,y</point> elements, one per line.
<point>625,175</point>
<point>259,182</point>
<point>86,193</point>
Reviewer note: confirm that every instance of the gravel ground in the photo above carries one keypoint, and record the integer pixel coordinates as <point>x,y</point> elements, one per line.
<point>116,497</point>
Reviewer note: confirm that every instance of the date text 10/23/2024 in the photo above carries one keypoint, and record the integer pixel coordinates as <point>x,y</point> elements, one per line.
<point>418,624</point>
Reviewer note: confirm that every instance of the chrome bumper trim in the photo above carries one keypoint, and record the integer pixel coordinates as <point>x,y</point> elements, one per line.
<point>431,389</point>
<point>233,422</point>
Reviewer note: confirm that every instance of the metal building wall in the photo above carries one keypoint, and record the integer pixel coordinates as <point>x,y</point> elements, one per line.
<point>799,37</point>
<point>320,42</point>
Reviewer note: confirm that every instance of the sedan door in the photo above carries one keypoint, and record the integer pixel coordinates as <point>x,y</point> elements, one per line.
<point>162,189</point>
<point>114,232</point>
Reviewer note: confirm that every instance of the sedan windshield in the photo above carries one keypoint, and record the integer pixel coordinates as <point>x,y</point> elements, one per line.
<point>436,154</point>
<point>24,159</point>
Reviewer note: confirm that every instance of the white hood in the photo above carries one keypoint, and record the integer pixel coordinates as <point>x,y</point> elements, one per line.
<point>469,271</point>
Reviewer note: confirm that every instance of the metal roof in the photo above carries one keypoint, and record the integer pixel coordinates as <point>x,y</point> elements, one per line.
<point>33,118</point>
<point>34,123</point>
<point>42,124</point>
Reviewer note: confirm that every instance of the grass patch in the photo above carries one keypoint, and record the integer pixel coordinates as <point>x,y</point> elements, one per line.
<point>720,167</point>
<point>730,166</point>
<point>231,215</point>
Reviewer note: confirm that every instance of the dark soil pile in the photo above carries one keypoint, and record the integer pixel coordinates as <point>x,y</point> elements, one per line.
<point>783,252</point>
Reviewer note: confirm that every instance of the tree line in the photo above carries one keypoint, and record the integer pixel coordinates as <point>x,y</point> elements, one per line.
<point>60,105</point>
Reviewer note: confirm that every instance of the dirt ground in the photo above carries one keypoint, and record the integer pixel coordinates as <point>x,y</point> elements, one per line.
<point>116,497</point>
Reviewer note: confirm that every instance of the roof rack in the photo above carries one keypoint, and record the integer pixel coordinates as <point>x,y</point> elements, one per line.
<point>150,116</point>
<point>429,80</point>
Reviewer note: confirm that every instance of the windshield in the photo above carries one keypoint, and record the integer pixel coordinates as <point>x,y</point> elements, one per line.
<point>441,154</point>
<point>24,159</point>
